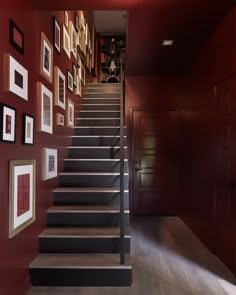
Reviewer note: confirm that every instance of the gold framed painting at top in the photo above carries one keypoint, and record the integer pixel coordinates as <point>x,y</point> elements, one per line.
<point>46,58</point>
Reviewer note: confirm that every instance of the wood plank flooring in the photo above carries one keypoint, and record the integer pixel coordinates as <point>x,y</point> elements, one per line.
<point>167,259</point>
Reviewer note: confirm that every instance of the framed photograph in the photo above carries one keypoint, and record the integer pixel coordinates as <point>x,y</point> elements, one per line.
<point>66,19</point>
<point>76,22</point>
<point>28,129</point>
<point>21,195</point>
<point>78,87</point>
<point>16,36</point>
<point>78,39</point>
<point>46,58</point>
<point>73,40</point>
<point>70,83</point>
<point>45,98</point>
<point>70,114</point>
<point>17,77</point>
<point>74,72</point>
<point>82,74</point>
<point>7,123</point>
<point>49,163</point>
<point>66,42</point>
<point>60,120</point>
<point>56,35</point>
<point>59,88</point>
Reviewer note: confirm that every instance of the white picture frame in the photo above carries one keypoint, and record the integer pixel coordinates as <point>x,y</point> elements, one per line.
<point>28,129</point>
<point>46,58</point>
<point>78,87</point>
<point>59,88</point>
<point>66,42</point>
<point>49,163</point>
<point>73,39</point>
<point>60,120</point>
<point>70,114</point>
<point>17,78</point>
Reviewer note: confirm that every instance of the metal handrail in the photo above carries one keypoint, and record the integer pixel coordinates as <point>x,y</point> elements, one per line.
<point>122,219</point>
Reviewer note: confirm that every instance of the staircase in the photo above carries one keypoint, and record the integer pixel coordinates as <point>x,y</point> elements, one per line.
<point>81,244</point>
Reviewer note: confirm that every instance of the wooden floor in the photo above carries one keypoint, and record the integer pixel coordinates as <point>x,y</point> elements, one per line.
<point>167,259</point>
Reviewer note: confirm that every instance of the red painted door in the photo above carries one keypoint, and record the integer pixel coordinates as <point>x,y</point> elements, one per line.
<point>156,162</point>
<point>226,181</point>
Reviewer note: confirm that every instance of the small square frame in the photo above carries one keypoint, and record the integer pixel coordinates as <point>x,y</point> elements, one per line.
<point>60,120</point>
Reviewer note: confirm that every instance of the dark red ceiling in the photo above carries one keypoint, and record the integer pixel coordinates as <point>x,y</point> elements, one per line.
<point>189,22</point>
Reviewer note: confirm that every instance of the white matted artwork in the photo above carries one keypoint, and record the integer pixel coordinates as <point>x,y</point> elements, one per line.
<point>28,129</point>
<point>78,87</point>
<point>70,114</point>
<point>73,40</point>
<point>46,58</point>
<point>49,163</point>
<point>60,120</point>
<point>17,78</point>
<point>45,98</point>
<point>66,41</point>
<point>21,195</point>
<point>59,88</point>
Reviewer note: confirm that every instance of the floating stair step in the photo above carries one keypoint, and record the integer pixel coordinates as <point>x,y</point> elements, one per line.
<point>102,95</point>
<point>106,152</point>
<point>96,140</point>
<point>100,107</point>
<point>80,270</point>
<point>91,179</point>
<point>101,100</point>
<point>97,122</point>
<point>97,130</point>
<point>85,216</point>
<point>94,165</point>
<point>89,196</point>
<point>99,114</point>
<point>82,240</point>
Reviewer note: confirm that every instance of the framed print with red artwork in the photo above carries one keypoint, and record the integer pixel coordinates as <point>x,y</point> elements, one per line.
<point>16,36</point>
<point>7,123</point>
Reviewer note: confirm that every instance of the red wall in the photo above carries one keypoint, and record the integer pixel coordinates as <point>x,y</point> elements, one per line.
<point>17,253</point>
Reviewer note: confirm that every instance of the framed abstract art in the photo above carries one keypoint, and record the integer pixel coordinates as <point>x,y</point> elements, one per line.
<point>16,36</point>
<point>46,58</point>
<point>7,123</point>
<point>28,129</point>
<point>49,163</point>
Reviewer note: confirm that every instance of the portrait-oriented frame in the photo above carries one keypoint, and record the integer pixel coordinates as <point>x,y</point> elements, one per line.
<point>21,195</point>
<point>56,35</point>
<point>66,41</point>
<point>16,37</point>
<point>59,88</point>
<point>70,114</point>
<point>46,58</point>
<point>73,39</point>
<point>28,129</point>
<point>49,163</point>
<point>70,82</point>
<point>7,123</point>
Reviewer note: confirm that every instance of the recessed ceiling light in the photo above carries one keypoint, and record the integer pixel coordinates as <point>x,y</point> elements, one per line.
<point>169,42</point>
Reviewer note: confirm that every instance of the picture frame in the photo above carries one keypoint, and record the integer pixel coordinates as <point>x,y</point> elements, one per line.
<point>7,123</point>
<point>83,74</point>
<point>46,58</point>
<point>17,77</point>
<point>59,88</point>
<point>56,35</point>
<point>76,22</point>
<point>60,120</point>
<point>66,19</point>
<point>70,114</point>
<point>16,37</point>
<point>45,99</point>
<point>22,181</point>
<point>28,129</point>
<point>78,87</point>
<point>66,41</point>
<point>49,167</point>
<point>70,82</point>
<point>74,73</point>
<point>73,39</point>
<point>78,39</point>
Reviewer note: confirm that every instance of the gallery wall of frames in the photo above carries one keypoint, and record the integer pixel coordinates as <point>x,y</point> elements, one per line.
<point>46,59</point>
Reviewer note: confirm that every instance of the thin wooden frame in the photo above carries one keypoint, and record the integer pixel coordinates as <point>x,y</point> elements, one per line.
<point>16,37</point>
<point>28,129</point>
<point>46,58</point>
<point>22,175</point>
<point>59,88</point>
<point>78,87</point>
<point>76,22</point>
<point>70,83</point>
<point>66,19</point>
<point>56,35</point>
<point>7,123</point>
<point>73,40</point>
<point>49,163</point>
<point>66,41</point>
<point>70,114</point>
<point>74,73</point>
<point>60,120</point>
<point>45,98</point>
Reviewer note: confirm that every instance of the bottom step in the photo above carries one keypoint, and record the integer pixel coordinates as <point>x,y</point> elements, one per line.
<point>96,270</point>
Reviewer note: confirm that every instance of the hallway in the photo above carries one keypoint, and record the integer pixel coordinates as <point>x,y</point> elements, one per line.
<point>167,260</point>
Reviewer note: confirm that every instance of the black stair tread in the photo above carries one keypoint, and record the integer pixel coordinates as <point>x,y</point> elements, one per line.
<point>97,136</point>
<point>85,209</point>
<point>79,261</point>
<point>95,147</point>
<point>92,173</point>
<point>87,189</point>
<point>82,232</point>
<point>94,159</point>
<point>99,126</point>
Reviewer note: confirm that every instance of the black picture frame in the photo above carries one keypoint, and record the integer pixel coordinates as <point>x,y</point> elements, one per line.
<point>9,134</point>
<point>74,73</point>
<point>76,22</point>
<point>56,28</point>
<point>14,33</point>
<point>26,118</point>
<point>70,82</point>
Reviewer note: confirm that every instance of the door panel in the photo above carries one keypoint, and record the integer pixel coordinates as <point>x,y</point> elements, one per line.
<point>155,146</point>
